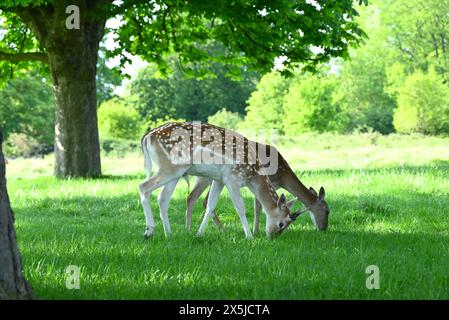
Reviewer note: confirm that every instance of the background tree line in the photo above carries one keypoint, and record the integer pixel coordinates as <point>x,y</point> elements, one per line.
<point>396,81</point>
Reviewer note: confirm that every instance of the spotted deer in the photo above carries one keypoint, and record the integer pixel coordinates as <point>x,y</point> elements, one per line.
<point>185,148</point>
<point>283,178</point>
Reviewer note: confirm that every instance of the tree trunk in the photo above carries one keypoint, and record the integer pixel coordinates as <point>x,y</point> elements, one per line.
<point>12,282</point>
<point>72,56</point>
<point>77,146</point>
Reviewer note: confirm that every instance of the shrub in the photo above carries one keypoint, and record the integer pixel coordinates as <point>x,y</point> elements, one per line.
<point>119,147</point>
<point>423,104</point>
<point>264,109</point>
<point>117,120</point>
<point>311,106</point>
<point>27,108</point>
<point>22,145</point>
<point>225,119</point>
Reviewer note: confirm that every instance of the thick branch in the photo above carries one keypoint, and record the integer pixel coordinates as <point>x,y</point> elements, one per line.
<point>25,56</point>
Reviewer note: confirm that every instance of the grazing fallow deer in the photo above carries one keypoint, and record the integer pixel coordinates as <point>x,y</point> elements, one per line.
<point>283,178</point>
<point>204,150</point>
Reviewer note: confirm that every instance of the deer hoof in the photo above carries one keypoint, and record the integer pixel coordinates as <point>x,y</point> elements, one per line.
<point>148,233</point>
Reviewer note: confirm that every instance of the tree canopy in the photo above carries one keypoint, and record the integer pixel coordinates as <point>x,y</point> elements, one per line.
<point>254,33</point>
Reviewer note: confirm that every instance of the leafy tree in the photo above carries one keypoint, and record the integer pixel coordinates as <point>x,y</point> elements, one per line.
<point>418,30</point>
<point>254,34</point>
<point>396,76</point>
<point>265,104</point>
<point>363,89</point>
<point>27,106</point>
<point>181,96</point>
<point>423,104</point>
<point>312,106</point>
<point>225,119</point>
<point>107,79</point>
<point>152,95</point>
<point>118,120</point>
<point>363,79</point>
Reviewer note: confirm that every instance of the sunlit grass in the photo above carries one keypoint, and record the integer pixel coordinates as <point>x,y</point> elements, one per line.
<point>390,214</point>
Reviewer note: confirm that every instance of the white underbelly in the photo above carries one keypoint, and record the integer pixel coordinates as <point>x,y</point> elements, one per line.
<point>216,172</point>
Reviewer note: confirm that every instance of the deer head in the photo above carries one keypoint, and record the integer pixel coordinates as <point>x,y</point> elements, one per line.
<point>319,210</point>
<point>280,218</point>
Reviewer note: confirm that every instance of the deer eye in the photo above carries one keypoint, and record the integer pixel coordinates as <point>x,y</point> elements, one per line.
<point>281,225</point>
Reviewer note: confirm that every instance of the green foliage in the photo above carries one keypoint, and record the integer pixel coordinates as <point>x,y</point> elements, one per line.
<point>417,29</point>
<point>363,89</point>
<point>159,122</point>
<point>21,145</point>
<point>119,147</point>
<point>265,104</point>
<point>423,104</point>
<point>255,33</point>
<point>152,95</point>
<point>27,107</point>
<point>225,119</point>
<point>107,79</point>
<point>312,106</point>
<point>16,37</point>
<point>396,76</point>
<point>179,96</point>
<point>116,119</point>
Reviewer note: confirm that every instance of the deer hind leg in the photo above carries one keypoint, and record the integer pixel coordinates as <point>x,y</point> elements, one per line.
<point>200,185</point>
<point>240,207</point>
<point>217,221</point>
<point>212,200</point>
<point>163,201</point>
<point>146,188</point>
<point>257,208</point>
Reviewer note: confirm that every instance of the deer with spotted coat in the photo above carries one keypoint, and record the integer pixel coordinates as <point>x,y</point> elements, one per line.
<point>184,148</point>
<point>284,178</point>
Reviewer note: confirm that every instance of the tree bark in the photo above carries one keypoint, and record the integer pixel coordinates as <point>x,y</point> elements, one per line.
<point>12,282</point>
<point>77,144</point>
<point>72,57</point>
<point>73,65</point>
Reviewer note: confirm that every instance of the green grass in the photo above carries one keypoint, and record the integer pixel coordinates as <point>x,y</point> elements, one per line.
<point>393,213</point>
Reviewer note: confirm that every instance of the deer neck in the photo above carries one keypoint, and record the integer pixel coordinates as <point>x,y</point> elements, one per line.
<point>293,185</point>
<point>264,191</point>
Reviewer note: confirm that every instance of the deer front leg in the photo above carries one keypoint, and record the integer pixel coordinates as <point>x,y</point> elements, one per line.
<point>257,208</point>
<point>163,201</point>
<point>240,207</point>
<point>212,200</point>
<point>200,185</point>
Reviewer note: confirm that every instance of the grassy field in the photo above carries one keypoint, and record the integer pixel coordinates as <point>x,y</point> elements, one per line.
<point>389,201</point>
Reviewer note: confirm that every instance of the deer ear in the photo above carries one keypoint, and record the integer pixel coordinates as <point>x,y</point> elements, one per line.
<point>322,194</point>
<point>282,200</point>
<point>312,190</point>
